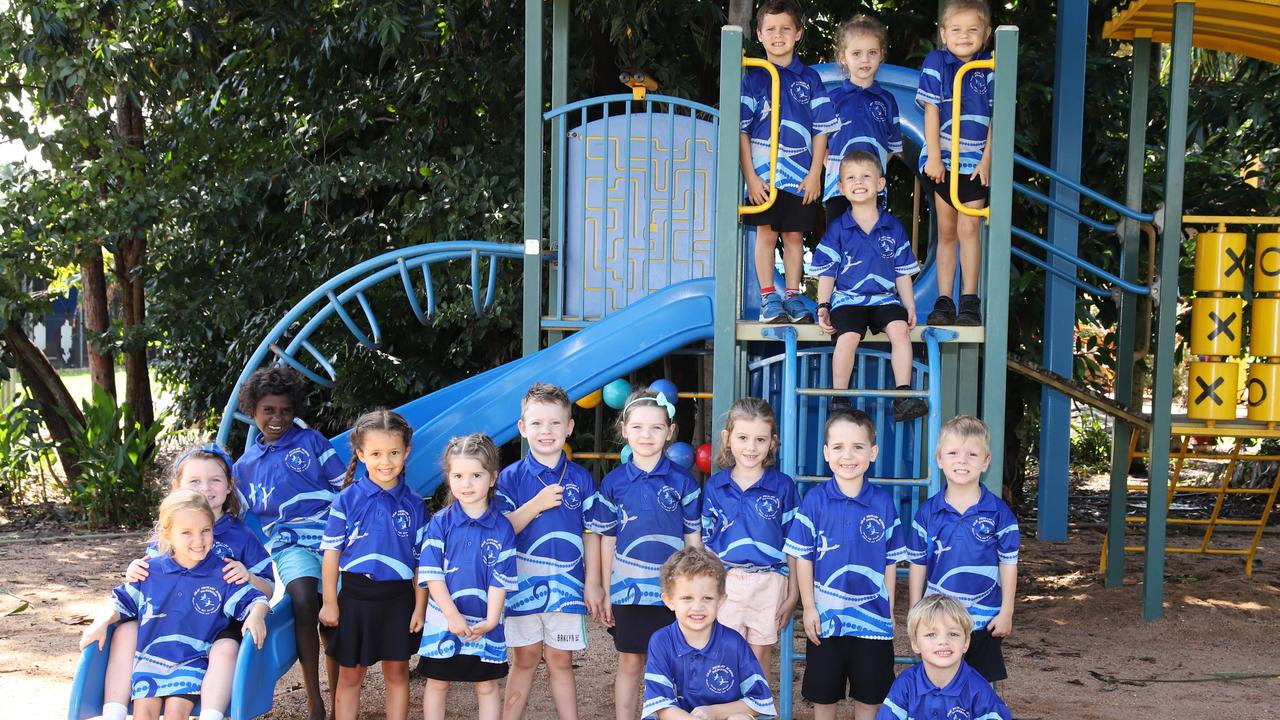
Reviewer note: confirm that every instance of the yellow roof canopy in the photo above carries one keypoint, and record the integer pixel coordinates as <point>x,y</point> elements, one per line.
<point>1247,27</point>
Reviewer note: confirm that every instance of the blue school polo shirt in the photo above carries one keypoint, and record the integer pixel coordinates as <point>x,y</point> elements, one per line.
<point>179,612</point>
<point>549,549</point>
<point>868,119</point>
<point>233,539</point>
<point>470,555</point>
<point>291,484</point>
<point>649,513</point>
<point>678,675</point>
<point>968,697</point>
<point>963,551</point>
<point>850,541</point>
<point>806,112</point>
<point>865,265</point>
<point>936,78</point>
<point>747,529</point>
<point>379,532</point>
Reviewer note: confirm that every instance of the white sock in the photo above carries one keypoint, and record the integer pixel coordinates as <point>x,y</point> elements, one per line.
<point>114,711</point>
<point>211,715</point>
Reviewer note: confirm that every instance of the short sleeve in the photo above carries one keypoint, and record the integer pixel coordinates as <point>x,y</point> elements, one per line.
<point>1008,537</point>
<point>754,686</point>
<point>659,680</point>
<point>502,574</point>
<point>896,705</point>
<point>335,528</point>
<point>127,599</point>
<point>821,108</point>
<point>929,90</point>
<point>424,521</point>
<point>895,546</point>
<point>895,126</point>
<point>689,506</point>
<point>505,497</point>
<point>802,534</point>
<point>602,518</point>
<point>748,106</point>
<point>904,261</point>
<point>431,559</point>
<point>239,603</point>
<point>255,557</point>
<point>917,539</point>
<point>987,705</point>
<point>790,503</point>
<point>710,513</point>
<point>826,259</point>
<point>331,469</point>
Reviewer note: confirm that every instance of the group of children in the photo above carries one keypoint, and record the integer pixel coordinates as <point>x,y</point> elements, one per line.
<point>864,261</point>
<point>693,581</point>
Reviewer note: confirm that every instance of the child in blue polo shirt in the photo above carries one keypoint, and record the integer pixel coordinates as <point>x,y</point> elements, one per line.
<point>964,543</point>
<point>292,474</point>
<point>866,112</point>
<point>806,118</point>
<point>747,509</point>
<point>181,607</point>
<point>207,470</point>
<point>468,566</point>
<point>646,509</point>
<point>847,542</point>
<point>697,667</point>
<point>964,29</point>
<point>864,266</point>
<point>547,499</point>
<point>942,685</point>
<point>375,529</point>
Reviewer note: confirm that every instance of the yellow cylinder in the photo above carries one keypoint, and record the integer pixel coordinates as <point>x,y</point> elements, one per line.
<point>1219,262</point>
<point>1217,325</point>
<point>1264,327</point>
<point>1266,263</point>
<point>1211,392</point>
<point>1264,392</point>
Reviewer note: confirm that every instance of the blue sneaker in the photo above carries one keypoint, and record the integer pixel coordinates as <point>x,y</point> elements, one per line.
<point>794,308</point>
<point>771,308</point>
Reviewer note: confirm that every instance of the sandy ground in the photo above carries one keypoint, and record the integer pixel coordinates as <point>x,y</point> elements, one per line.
<point>1078,650</point>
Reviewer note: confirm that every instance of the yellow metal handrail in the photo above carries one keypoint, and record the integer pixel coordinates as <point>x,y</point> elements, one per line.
<point>775,95</point>
<point>956,89</point>
<point>1222,221</point>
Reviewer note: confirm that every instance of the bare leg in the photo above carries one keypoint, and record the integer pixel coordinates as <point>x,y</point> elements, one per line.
<point>118,684</point>
<point>564,689</point>
<point>766,241</point>
<point>176,707</point>
<point>969,232</point>
<point>626,686</point>
<point>863,711</point>
<point>488,700</point>
<point>824,712</point>
<point>346,701</point>
<point>395,673</point>
<point>433,699</point>
<point>306,618</point>
<point>215,689</point>
<point>793,258</point>
<point>150,709</point>
<point>843,358</point>
<point>947,241</point>
<point>899,351</point>
<point>520,680</point>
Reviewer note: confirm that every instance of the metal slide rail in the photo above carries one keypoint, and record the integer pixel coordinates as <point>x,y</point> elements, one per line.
<point>335,295</point>
<point>907,490</point>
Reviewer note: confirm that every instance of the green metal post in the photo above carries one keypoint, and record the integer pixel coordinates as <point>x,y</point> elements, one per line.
<point>727,262</point>
<point>996,345</point>
<point>1166,317</point>
<point>532,297</point>
<point>1128,309</point>
<point>559,96</point>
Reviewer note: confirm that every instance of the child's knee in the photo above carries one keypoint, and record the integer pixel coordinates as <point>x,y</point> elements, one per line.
<point>224,650</point>
<point>558,659</point>
<point>395,673</point>
<point>527,657</point>
<point>847,342</point>
<point>487,688</point>
<point>898,330</point>
<point>793,241</point>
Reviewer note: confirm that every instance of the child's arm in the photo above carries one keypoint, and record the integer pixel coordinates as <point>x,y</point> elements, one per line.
<point>440,593</point>
<point>757,188</point>
<point>593,592</point>
<point>826,286</point>
<point>496,600</point>
<point>329,583</point>
<point>723,711</point>
<point>546,499</point>
<point>812,621</point>
<point>608,545</point>
<point>907,294</point>
<point>97,630</point>
<point>693,539</point>
<point>983,172</point>
<point>811,186</point>
<point>420,595</point>
<point>788,606</point>
<point>1002,624</point>
<point>933,167</point>
<point>915,583</point>
<point>255,623</point>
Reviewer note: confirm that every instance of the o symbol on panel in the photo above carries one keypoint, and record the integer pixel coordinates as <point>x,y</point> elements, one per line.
<point>1262,392</point>
<point>1262,262</point>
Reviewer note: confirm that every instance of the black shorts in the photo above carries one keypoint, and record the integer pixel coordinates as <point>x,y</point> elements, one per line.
<point>787,214</point>
<point>193,698</point>
<point>859,318</point>
<point>233,631</point>
<point>968,189</point>
<point>633,625</point>
<point>373,622</point>
<point>461,668</point>
<point>847,667</point>
<point>986,655</point>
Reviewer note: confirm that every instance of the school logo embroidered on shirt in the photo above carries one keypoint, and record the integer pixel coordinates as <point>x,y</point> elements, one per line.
<point>298,460</point>
<point>489,551</point>
<point>958,713</point>
<point>222,550</point>
<point>886,244</point>
<point>984,528</point>
<point>800,92</point>
<point>872,528</point>
<point>571,496</point>
<point>978,83</point>
<point>768,506</point>
<point>720,678</point>
<point>878,111</point>
<point>668,498</point>
<point>401,519</point>
<point>206,600</point>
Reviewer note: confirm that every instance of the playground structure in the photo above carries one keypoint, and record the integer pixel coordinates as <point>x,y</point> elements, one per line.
<point>642,254</point>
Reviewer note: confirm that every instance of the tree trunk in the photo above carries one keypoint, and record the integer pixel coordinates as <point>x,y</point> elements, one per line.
<point>740,15</point>
<point>97,319</point>
<point>47,388</point>
<point>129,271</point>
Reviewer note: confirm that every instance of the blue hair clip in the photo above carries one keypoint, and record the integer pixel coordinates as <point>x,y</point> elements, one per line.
<point>661,401</point>
<point>211,448</point>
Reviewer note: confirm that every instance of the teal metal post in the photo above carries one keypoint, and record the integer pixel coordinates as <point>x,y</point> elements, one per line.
<point>996,346</point>
<point>1167,315</point>
<point>1128,309</point>
<point>533,241</point>
<point>559,96</point>
<point>728,193</point>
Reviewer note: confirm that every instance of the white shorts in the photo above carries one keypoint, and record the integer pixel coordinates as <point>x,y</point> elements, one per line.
<point>751,604</point>
<point>558,630</point>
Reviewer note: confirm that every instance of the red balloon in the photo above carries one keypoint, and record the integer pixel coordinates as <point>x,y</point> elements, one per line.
<point>703,457</point>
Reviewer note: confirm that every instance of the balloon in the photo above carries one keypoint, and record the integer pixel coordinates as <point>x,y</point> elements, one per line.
<point>591,400</point>
<point>666,387</point>
<point>615,393</point>
<point>680,453</point>
<point>626,455</point>
<point>703,457</point>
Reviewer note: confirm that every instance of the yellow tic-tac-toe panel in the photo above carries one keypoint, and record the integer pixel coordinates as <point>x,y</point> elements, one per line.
<point>1211,390</point>
<point>1264,392</point>
<point>1216,325</point>
<point>1220,263</point>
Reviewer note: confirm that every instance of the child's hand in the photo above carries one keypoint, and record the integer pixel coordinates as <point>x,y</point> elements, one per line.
<point>606,615</point>
<point>983,173</point>
<point>911,318</point>
<point>329,614</point>
<point>1001,625</point>
<point>824,321</point>
<point>812,625</point>
<point>257,627</point>
<point>594,597</point>
<point>477,631</point>
<point>548,498</point>
<point>235,572</point>
<point>458,625</point>
<point>702,713</point>
<point>786,609</point>
<point>757,190</point>
<point>811,188</point>
<point>95,633</point>
<point>934,170</point>
<point>415,622</point>
<point>137,570</point>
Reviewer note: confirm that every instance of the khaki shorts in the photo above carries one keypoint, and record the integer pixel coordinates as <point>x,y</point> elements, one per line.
<point>751,605</point>
<point>558,630</point>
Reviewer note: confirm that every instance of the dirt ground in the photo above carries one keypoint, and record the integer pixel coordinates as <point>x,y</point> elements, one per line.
<point>1078,651</point>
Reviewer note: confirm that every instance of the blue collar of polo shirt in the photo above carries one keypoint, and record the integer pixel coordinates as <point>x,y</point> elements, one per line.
<point>459,516</point>
<point>986,501</point>
<point>848,223</point>
<point>661,469</point>
<point>285,441</point>
<point>532,466</point>
<point>795,67</point>
<point>852,87</point>
<point>368,488</point>
<point>951,689</point>
<point>167,565</point>
<point>724,478</point>
<point>949,57</point>
<point>683,647</point>
<point>833,491</point>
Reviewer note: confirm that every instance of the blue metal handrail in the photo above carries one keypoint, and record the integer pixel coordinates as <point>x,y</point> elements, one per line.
<point>1094,195</point>
<point>1060,207</point>
<point>1129,287</point>
<point>1059,273</point>
<point>330,297</point>
<point>626,97</point>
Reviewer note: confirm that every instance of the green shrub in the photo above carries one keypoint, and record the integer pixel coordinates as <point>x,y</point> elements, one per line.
<point>21,448</point>
<point>1090,440</point>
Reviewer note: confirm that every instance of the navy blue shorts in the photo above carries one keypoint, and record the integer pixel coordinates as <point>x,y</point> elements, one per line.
<point>787,214</point>
<point>968,189</point>
<point>842,667</point>
<point>986,655</point>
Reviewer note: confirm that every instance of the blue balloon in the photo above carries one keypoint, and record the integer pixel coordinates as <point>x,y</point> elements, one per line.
<point>681,453</point>
<point>626,454</point>
<point>615,393</point>
<point>666,387</point>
